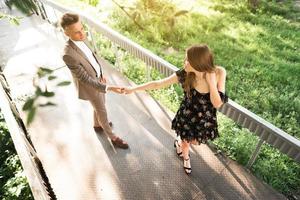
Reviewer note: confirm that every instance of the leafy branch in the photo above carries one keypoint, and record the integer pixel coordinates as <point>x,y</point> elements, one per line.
<point>31,105</point>
<point>12,19</point>
<point>132,17</point>
<point>25,6</point>
<point>150,11</point>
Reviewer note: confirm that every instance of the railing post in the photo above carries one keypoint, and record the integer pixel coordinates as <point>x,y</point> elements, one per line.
<point>255,153</point>
<point>90,31</point>
<point>43,11</point>
<point>148,71</point>
<point>56,23</point>
<point>118,57</point>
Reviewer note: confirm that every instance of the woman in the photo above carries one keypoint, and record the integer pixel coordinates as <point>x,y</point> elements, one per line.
<point>204,91</point>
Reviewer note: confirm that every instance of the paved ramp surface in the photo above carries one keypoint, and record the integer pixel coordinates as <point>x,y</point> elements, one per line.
<point>81,164</point>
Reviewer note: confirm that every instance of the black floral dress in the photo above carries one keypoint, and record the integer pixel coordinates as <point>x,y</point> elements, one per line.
<point>196,118</point>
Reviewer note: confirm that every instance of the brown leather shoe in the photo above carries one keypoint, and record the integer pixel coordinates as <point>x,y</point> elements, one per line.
<point>100,129</point>
<point>118,142</point>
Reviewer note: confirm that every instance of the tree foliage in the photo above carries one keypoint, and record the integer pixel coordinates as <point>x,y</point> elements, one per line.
<point>12,19</point>
<point>91,2</point>
<point>25,6</point>
<point>153,16</point>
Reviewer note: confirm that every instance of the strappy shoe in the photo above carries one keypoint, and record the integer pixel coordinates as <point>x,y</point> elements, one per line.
<point>186,163</point>
<point>118,142</point>
<point>178,149</point>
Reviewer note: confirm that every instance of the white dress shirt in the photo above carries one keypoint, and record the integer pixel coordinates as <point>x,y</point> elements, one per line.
<point>89,54</point>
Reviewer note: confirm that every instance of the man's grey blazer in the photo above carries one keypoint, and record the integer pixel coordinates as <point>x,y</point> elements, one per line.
<point>84,75</point>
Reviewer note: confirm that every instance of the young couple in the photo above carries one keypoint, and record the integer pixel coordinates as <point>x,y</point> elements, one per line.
<point>203,83</point>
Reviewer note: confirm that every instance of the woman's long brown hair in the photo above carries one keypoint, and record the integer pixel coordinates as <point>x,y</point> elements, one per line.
<point>201,59</point>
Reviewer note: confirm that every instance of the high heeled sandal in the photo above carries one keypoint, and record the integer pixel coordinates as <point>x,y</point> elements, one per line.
<point>177,146</point>
<point>187,170</point>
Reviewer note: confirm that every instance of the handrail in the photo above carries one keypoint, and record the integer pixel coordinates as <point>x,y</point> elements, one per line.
<point>266,131</point>
<point>32,166</point>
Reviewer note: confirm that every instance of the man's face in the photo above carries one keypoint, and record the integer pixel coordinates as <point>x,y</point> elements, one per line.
<point>75,32</point>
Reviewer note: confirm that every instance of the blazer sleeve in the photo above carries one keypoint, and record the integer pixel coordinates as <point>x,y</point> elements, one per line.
<point>82,75</point>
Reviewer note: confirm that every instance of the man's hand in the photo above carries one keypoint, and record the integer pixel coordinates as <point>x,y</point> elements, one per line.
<point>115,89</point>
<point>102,80</point>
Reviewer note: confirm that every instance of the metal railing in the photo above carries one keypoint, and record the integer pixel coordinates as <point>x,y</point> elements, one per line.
<point>266,131</point>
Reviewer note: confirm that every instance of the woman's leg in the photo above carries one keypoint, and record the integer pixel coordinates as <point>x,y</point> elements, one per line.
<point>186,157</point>
<point>177,145</point>
<point>185,146</point>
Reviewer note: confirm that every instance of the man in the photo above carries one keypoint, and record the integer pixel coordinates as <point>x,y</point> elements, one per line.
<point>87,75</point>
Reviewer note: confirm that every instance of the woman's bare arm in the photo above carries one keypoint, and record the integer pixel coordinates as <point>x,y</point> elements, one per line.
<point>221,79</point>
<point>154,84</point>
<point>213,90</point>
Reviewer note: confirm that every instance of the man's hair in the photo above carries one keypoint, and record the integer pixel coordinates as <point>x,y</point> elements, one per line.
<point>68,19</point>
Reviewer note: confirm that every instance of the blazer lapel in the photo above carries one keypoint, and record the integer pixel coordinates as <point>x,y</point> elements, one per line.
<point>81,53</point>
<point>94,54</point>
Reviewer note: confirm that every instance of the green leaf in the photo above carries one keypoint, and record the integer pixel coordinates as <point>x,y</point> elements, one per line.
<point>52,77</point>
<point>38,91</point>
<point>47,70</point>
<point>181,12</point>
<point>2,15</point>
<point>64,83</point>
<point>14,21</point>
<point>42,71</point>
<point>31,115</point>
<point>28,104</point>
<point>47,94</point>
<point>47,104</point>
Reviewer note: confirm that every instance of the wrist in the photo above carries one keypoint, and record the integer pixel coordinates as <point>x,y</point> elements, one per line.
<point>212,86</point>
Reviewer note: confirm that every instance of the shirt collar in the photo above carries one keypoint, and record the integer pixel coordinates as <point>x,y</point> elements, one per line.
<point>77,42</point>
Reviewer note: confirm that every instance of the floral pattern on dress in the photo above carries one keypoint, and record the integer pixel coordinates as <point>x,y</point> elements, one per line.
<point>196,117</point>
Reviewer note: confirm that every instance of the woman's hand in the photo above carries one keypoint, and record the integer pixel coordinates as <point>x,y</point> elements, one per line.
<point>211,78</point>
<point>128,90</point>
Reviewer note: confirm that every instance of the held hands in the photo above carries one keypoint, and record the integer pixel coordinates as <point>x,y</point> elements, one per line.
<point>117,89</point>
<point>128,90</point>
<point>120,90</point>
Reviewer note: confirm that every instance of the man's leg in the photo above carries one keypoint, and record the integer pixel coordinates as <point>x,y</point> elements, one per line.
<point>96,121</point>
<point>101,115</point>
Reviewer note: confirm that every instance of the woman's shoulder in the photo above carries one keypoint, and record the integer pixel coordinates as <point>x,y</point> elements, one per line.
<point>220,70</point>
